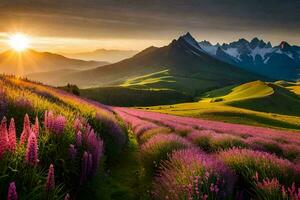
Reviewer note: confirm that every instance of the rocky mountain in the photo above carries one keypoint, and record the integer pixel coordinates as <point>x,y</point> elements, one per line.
<point>280,62</point>
<point>184,64</point>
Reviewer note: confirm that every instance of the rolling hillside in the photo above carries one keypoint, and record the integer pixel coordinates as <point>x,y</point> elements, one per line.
<point>32,61</point>
<point>111,56</point>
<point>259,96</point>
<point>182,61</point>
<point>256,103</point>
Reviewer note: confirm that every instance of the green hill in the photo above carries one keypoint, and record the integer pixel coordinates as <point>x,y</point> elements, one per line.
<point>256,103</point>
<point>258,96</point>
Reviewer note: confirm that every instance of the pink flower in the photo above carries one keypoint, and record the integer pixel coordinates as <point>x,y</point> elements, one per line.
<point>67,197</point>
<point>78,138</point>
<point>50,184</point>
<point>4,142</point>
<point>32,150</point>
<point>84,167</point>
<point>90,165</point>
<point>55,124</point>
<point>26,130</point>
<point>35,128</point>
<point>12,192</point>
<point>12,135</point>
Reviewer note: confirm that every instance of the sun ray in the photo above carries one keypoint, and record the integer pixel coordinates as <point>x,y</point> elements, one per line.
<point>19,42</point>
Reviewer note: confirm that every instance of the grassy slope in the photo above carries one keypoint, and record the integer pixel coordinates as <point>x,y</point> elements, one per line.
<point>121,96</point>
<point>164,80</point>
<point>255,103</point>
<point>123,181</point>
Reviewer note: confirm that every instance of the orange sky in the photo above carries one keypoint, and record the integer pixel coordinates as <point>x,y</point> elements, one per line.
<point>85,25</point>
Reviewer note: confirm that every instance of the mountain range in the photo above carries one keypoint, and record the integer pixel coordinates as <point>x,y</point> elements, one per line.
<point>182,65</point>
<point>31,61</point>
<point>281,62</point>
<point>108,55</point>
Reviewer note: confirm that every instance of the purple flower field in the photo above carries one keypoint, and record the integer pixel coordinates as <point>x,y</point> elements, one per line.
<point>60,146</point>
<point>221,161</point>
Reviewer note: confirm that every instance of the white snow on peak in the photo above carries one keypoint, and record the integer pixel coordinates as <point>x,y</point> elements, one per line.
<point>233,52</point>
<point>260,51</point>
<point>210,49</point>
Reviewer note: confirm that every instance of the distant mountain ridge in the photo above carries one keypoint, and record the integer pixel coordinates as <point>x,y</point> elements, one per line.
<point>280,62</point>
<point>103,55</point>
<point>182,66</point>
<point>31,61</point>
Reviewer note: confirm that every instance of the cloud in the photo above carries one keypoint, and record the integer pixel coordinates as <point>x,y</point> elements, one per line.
<point>152,19</point>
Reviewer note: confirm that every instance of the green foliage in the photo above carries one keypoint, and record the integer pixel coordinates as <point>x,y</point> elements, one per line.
<point>122,96</point>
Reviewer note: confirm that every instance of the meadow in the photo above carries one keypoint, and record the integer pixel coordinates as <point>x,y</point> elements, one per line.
<point>56,145</point>
<point>188,158</point>
<point>52,143</point>
<point>275,105</point>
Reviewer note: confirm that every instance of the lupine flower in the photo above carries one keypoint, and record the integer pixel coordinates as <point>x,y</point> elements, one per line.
<point>59,124</point>
<point>32,150</point>
<point>72,151</point>
<point>12,192</point>
<point>50,184</point>
<point>90,165</point>
<point>77,125</point>
<point>79,138</point>
<point>35,128</point>
<point>4,142</point>
<point>12,135</point>
<point>67,197</point>
<point>26,130</point>
<point>55,124</point>
<point>84,167</point>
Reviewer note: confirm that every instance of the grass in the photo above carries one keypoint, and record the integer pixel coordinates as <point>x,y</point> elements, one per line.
<point>124,96</point>
<point>123,181</point>
<point>227,113</point>
<point>164,80</point>
<point>255,103</point>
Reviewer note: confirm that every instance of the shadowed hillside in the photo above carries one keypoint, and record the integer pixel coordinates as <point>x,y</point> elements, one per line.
<point>184,59</point>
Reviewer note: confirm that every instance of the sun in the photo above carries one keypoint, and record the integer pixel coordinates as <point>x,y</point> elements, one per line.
<point>19,42</point>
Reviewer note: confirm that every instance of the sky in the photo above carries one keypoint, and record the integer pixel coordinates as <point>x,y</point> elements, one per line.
<point>83,25</point>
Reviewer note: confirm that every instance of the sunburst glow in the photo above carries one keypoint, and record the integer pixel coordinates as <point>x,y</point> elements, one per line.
<point>19,42</point>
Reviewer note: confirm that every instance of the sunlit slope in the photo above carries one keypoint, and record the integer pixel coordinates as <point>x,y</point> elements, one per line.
<point>257,95</point>
<point>256,103</point>
<point>227,113</point>
<point>164,80</point>
<point>292,86</point>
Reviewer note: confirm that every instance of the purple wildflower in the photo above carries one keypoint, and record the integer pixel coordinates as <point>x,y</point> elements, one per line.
<point>4,142</point>
<point>67,197</point>
<point>35,128</point>
<point>32,150</point>
<point>50,184</point>
<point>26,130</point>
<point>84,167</point>
<point>79,138</point>
<point>12,192</point>
<point>12,135</point>
<point>193,174</point>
